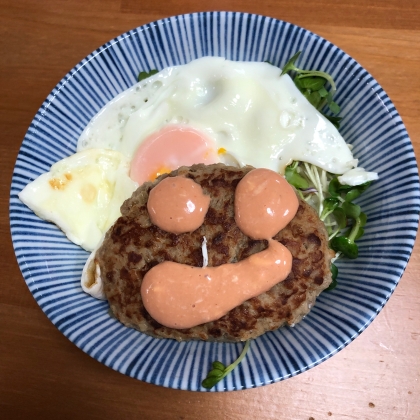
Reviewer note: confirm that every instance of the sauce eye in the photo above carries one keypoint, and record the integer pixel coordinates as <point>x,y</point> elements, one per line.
<point>177,205</point>
<point>265,203</point>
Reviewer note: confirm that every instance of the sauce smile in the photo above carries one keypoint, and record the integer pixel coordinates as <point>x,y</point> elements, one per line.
<point>180,296</point>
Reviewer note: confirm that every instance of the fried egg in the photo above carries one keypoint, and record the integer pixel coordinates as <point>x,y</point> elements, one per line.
<point>244,113</point>
<point>82,194</point>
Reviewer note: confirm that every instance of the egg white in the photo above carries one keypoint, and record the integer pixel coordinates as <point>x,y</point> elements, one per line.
<point>260,118</point>
<point>82,194</point>
<point>91,280</point>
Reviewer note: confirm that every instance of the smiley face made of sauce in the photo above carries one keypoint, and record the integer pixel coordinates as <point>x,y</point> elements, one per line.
<point>181,296</point>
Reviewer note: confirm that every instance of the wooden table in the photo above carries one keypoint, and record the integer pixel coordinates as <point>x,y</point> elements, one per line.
<point>43,375</point>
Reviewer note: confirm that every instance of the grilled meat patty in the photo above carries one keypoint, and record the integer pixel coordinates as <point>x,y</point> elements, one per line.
<point>134,245</point>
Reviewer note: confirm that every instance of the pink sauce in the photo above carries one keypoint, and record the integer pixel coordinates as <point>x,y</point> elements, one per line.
<point>177,205</point>
<point>265,203</point>
<point>170,148</point>
<point>180,296</point>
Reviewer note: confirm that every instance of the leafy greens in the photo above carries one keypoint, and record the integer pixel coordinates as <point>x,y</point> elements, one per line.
<point>334,203</point>
<point>219,370</point>
<point>144,74</point>
<point>312,84</point>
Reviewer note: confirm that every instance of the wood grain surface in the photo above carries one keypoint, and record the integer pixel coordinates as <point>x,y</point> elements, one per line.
<point>44,376</point>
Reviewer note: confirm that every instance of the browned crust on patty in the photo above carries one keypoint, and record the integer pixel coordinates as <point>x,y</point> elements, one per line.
<point>134,245</point>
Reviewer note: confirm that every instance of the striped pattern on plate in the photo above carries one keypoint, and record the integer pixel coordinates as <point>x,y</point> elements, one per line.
<point>51,265</point>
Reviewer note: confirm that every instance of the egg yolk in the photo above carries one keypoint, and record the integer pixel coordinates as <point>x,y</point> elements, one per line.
<point>170,148</point>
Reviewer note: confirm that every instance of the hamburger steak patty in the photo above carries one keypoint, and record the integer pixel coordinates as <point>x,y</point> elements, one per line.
<point>134,245</point>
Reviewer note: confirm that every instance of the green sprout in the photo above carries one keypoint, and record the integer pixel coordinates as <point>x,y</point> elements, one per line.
<point>343,219</point>
<point>312,84</point>
<point>219,370</point>
<point>144,74</point>
<point>340,218</point>
<point>348,211</point>
<point>345,244</point>
<point>334,274</point>
<point>293,177</point>
<point>330,204</point>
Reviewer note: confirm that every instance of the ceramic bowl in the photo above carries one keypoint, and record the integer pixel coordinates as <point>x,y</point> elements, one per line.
<point>51,265</point>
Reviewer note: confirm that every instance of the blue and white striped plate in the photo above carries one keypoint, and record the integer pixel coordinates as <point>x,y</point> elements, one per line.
<point>51,265</point>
